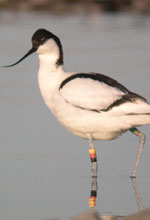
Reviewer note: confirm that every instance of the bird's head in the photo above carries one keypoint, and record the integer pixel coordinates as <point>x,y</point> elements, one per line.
<point>44,42</point>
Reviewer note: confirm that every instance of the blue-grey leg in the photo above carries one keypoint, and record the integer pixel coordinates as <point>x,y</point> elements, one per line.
<point>141,144</point>
<point>92,153</point>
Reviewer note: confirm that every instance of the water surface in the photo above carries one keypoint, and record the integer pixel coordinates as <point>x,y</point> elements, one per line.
<point>45,170</point>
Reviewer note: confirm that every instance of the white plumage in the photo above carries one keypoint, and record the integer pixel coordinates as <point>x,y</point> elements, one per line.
<point>90,94</point>
<point>90,105</point>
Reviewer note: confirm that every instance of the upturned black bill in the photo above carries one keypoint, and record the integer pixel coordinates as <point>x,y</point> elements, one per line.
<point>32,50</point>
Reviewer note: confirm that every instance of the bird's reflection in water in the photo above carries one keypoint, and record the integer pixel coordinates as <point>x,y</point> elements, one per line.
<point>93,195</point>
<point>91,214</point>
<point>137,195</point>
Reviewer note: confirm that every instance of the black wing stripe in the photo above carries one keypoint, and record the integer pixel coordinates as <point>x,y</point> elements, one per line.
<point>131,97</point>
<point>127,97</point>
<point>96,76</point>
<point>138,114</point>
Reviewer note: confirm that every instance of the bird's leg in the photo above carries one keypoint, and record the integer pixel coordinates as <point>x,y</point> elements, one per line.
<point>141,144</point>
<point>92,153</point>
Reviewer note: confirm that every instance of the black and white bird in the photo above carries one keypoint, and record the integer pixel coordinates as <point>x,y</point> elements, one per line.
<point>90,105</point>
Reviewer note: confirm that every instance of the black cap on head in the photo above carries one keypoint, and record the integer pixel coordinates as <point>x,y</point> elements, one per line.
<point>38,39</point>
<point>41,36</point>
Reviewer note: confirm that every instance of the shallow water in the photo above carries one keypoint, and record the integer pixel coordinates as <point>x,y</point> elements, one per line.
<point>45,171</point>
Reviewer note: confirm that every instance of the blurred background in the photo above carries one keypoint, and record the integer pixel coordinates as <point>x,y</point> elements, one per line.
<point>78,6</point>
<point>45,171</point>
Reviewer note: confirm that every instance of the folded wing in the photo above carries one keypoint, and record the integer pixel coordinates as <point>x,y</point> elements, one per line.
<point>95,92</point>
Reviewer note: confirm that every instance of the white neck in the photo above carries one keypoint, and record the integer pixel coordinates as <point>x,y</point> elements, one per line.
<point>50,73</point>
<point>49,54</point>
<point>48,61</point>
<point>50,76</point>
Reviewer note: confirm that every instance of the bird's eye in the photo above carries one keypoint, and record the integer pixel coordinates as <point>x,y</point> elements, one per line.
<point>43,39</point>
